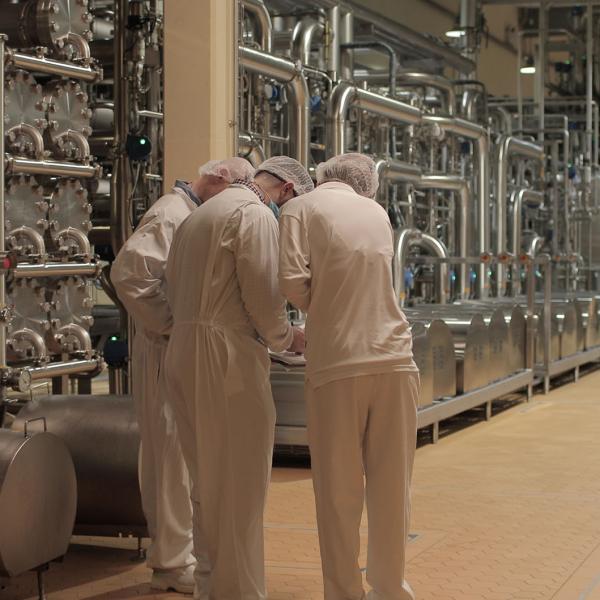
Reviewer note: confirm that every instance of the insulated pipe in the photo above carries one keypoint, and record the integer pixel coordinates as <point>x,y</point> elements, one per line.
<point>406,240</point>
<point>262,19</point>
<point>433,81</point>
<point>346,95</point>
<point>251,150</point>
<point>49,167</point>
<point>509,146</point>
<point>516,200</point>
<point>51,67</point>
<point>287,72</point>
<point>478,134</point>
<point>460,187</point>
<point>302,39</point>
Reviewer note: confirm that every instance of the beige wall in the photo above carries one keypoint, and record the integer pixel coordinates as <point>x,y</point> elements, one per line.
<point>200,84</point>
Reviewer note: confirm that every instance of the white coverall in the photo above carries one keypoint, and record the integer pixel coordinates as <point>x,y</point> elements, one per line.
<point>223,291</point>
<point>362,384</point>
<point>138,276</point>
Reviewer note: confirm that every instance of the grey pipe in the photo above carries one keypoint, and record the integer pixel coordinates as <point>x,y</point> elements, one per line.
<point>346,95</point>
<point>51,67</point>
<point>516,201</point>
<point>535,246</point>
<point>59,369</point>
<point>262,20</point>
<point>442,84</point>
<point>505,118</point>
<point>15,165</point>
<point>406,240</point>
<point>287,72</point>
<point>251,150</point>
<point>303,38</point>
<point>461,188</point>
<point>24,271</point>
<point>478,134</point>
<point>508,147</point>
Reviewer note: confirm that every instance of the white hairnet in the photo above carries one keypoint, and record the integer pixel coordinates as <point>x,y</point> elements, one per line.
<point>288,169</point>
<point>229,169</point>
<point>357,170</point>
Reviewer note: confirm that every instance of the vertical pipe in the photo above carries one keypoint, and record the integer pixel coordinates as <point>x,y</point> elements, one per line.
<point>333,46</point>
<point>541,67</point>
<point>2,189</point>
<point>530,350</point>
<point>519,82</point>
<point>347,37</point>
<point>547,317</point>
<point>119,180</point>
<point>589,101</point>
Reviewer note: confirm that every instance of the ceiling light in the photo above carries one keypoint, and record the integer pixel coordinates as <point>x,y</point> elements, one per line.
<point>455,33</point>
<point>528,66</point>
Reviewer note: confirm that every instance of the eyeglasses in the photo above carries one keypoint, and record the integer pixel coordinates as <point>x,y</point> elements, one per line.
<point>280,179</point>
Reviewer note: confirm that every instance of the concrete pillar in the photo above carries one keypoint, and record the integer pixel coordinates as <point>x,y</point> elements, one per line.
<point>201,38</point>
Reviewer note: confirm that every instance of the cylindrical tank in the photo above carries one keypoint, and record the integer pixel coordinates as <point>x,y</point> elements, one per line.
<point>588,306</point>
<point>101,432</point>
<point>570,327</point>
<point>38,497</point>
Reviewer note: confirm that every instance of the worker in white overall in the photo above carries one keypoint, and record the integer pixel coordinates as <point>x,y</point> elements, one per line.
<point>336,250</point>
<point>138,276</point>
<point>227,309</point>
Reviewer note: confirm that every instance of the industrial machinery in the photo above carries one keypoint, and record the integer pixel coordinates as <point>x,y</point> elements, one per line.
<point>495,202</point>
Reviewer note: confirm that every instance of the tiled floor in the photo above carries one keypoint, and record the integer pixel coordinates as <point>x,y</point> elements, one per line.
<point>503,510</point>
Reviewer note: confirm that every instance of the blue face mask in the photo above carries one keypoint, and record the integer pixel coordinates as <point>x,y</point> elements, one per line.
<point>274,208</point>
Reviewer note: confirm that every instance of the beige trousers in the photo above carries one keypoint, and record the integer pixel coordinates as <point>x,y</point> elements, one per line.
<point>363,429</point>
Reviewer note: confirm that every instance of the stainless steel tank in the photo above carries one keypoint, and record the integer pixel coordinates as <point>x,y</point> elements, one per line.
<point>588,307</point>
<point>287,386</point>
<point>38,497</point>
<point>443,363</point>
<point>423,356</point>
<point>570,327</point>
<point>101,432</point>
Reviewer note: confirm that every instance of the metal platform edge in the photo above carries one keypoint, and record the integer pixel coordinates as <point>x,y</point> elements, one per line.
<point>557,367</point>
<point>435,413</point>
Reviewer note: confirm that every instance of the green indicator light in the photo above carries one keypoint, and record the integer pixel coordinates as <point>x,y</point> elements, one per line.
<point>114,338</point>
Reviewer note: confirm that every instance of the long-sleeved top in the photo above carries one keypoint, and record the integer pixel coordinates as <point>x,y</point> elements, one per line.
<point>138,272</point>
<point>222,269</point>
<point>336,251</point>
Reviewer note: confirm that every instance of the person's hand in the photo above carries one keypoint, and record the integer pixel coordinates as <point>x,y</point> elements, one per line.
<point>298,343</point>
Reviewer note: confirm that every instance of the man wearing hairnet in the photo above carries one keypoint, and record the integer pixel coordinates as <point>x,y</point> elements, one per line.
<point>227,309</point>
<point>138,274</point>
<point>361,381</point>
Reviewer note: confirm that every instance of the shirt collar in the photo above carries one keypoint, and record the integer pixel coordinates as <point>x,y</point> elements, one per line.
<point>338,185</point>
<point>252,187</point>
<point>185,187</point>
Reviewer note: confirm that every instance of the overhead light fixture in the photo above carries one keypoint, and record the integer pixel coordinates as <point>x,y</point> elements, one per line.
<point>455,33</point>
<point>528,66</point>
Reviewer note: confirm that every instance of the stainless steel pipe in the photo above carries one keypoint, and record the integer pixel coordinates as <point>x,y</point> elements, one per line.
<point>480,136</point>
<point>414,237</point>
<point>303,37</point>
<point>251,150</point>
<point>517,199</point>
<point>24,271</point>
<point>59,369</point>
<point>15,165</point>
<point>417,79</point>
<point>3,322</point>
<point>508,147</point>
<point>346,95</point>
<point>262,19</point>
<point>51,67</point>
<point>288,73</point>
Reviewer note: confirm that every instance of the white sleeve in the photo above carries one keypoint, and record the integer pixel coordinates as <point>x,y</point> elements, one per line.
<point>138,274</point>
<point>294,262</point>
<point>256,255</point>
